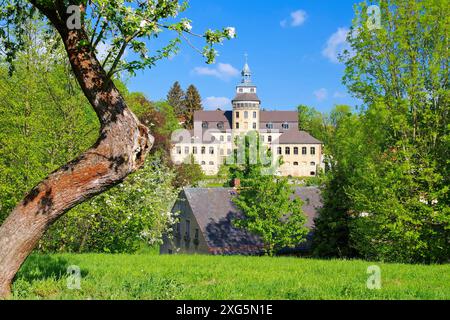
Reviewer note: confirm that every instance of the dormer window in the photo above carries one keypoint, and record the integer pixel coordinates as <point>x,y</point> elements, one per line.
<point>220,125</point>
<point>241,90</point>
<point>205,125</point>
<point>285,125</point>
<point>252,90</point>
<point>269,125</point>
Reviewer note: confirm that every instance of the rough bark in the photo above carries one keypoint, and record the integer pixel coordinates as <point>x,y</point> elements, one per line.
<point>120,150</point>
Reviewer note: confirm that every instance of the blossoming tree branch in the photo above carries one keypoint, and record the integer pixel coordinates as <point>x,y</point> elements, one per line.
<point>123,142</point>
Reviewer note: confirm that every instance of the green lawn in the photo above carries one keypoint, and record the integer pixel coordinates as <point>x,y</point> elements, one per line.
<point>149,276</point>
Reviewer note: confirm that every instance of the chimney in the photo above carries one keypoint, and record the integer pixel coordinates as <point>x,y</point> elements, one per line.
<point>237,183</point>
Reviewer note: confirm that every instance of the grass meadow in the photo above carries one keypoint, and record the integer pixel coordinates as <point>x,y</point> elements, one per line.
<point>151,276</point>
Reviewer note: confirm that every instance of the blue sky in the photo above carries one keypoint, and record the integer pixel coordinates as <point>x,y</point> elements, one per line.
<point>291,47</point>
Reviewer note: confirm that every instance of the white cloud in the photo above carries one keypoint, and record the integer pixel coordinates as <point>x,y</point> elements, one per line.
<point>216,102</point>
<point>296,19</point>
<point>336,44</point>
<point>321,94</point>
<point>223,71</point>
<point>338,95</point>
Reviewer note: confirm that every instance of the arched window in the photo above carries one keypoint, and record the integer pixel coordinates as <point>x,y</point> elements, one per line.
<point>295,150</point>
<point>203,163</point>
<point>312,163</point>
<point>220,125</point>
<point>287,150</point>
<point>313,150</point>
<point>279,150</point>
<point>222,138</point>
<point>203,150</point>
<point>211,150</point>
<point>205,125</point>
<point>304,150</point>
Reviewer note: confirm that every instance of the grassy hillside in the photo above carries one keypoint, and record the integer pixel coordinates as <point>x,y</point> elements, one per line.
<point>148,276</point>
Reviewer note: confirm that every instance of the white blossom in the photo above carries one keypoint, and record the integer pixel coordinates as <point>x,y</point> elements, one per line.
<point>143,24</point>
<point>231,31</point>
<point>187,26</point>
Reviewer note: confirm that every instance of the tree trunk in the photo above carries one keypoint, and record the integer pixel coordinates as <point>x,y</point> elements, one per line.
<point>120,150</point>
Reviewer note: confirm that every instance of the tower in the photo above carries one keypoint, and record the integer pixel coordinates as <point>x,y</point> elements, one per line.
<point>246,104</point>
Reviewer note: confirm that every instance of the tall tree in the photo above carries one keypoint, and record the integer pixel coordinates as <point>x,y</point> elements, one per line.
<point>399,184</point>
<point>123,141</point>
<point>193,102</point>
<point>269,208</point>
<point>176,98</point>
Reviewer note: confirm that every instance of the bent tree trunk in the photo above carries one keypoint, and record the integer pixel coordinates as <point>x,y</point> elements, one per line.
<point>120,150</point>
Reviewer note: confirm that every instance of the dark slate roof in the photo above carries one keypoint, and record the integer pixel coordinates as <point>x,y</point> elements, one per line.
<point>214,211</point>
<point>214,116</point>
<point>278,116</point>
<point>297,137</point>
<point>312,202</point>
<point>246,97</point>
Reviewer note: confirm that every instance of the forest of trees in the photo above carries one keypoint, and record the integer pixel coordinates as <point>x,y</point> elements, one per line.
<point>386,194</point>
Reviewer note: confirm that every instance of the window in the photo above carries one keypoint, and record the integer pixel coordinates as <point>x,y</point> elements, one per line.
<point>196,234</point>
<point>178,229</point>
<point>254,114</point>
<point>312,173</point>
<point>304,150</point>
<point>237,125</point>
<point>203,150</point>
<point>188,229</point>
<point>262,138</point>
<point>313,150</point>
<point>245,114</point>
<point>295,163</point>
<point>269,138</point>
<point>229,151</point>
<point>295,150</point>
<point>287,150</point>
<point>220,125</point>
<point>194,150</point>
<point>313,163</point>
<point>285,125</point>
<point>205,125</point>
<point>241,90</point>
<point>279,150</point>
<point>186,150</point>
<point>254,125</point>
<point>269,125</point>
<point>229,138</point>
<point>179,150</point>
<point>222,138</point>
<point>211,163</point>
<point>222,152</point>
<point>252,90</point>
<point>237,114</point>
<point>211,150</point>
<point>203,163</point>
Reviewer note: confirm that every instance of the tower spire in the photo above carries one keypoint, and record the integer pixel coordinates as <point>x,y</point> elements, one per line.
<point>246,72</point>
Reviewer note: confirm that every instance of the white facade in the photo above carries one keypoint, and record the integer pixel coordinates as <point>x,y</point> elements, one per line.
<point>212,139</point>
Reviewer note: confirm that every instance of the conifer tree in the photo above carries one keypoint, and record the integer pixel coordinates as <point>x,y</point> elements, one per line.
<point>176,98</point>
<point>193,102</point>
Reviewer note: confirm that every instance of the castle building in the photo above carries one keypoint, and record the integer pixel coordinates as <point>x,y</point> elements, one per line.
<point>212,140</point>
